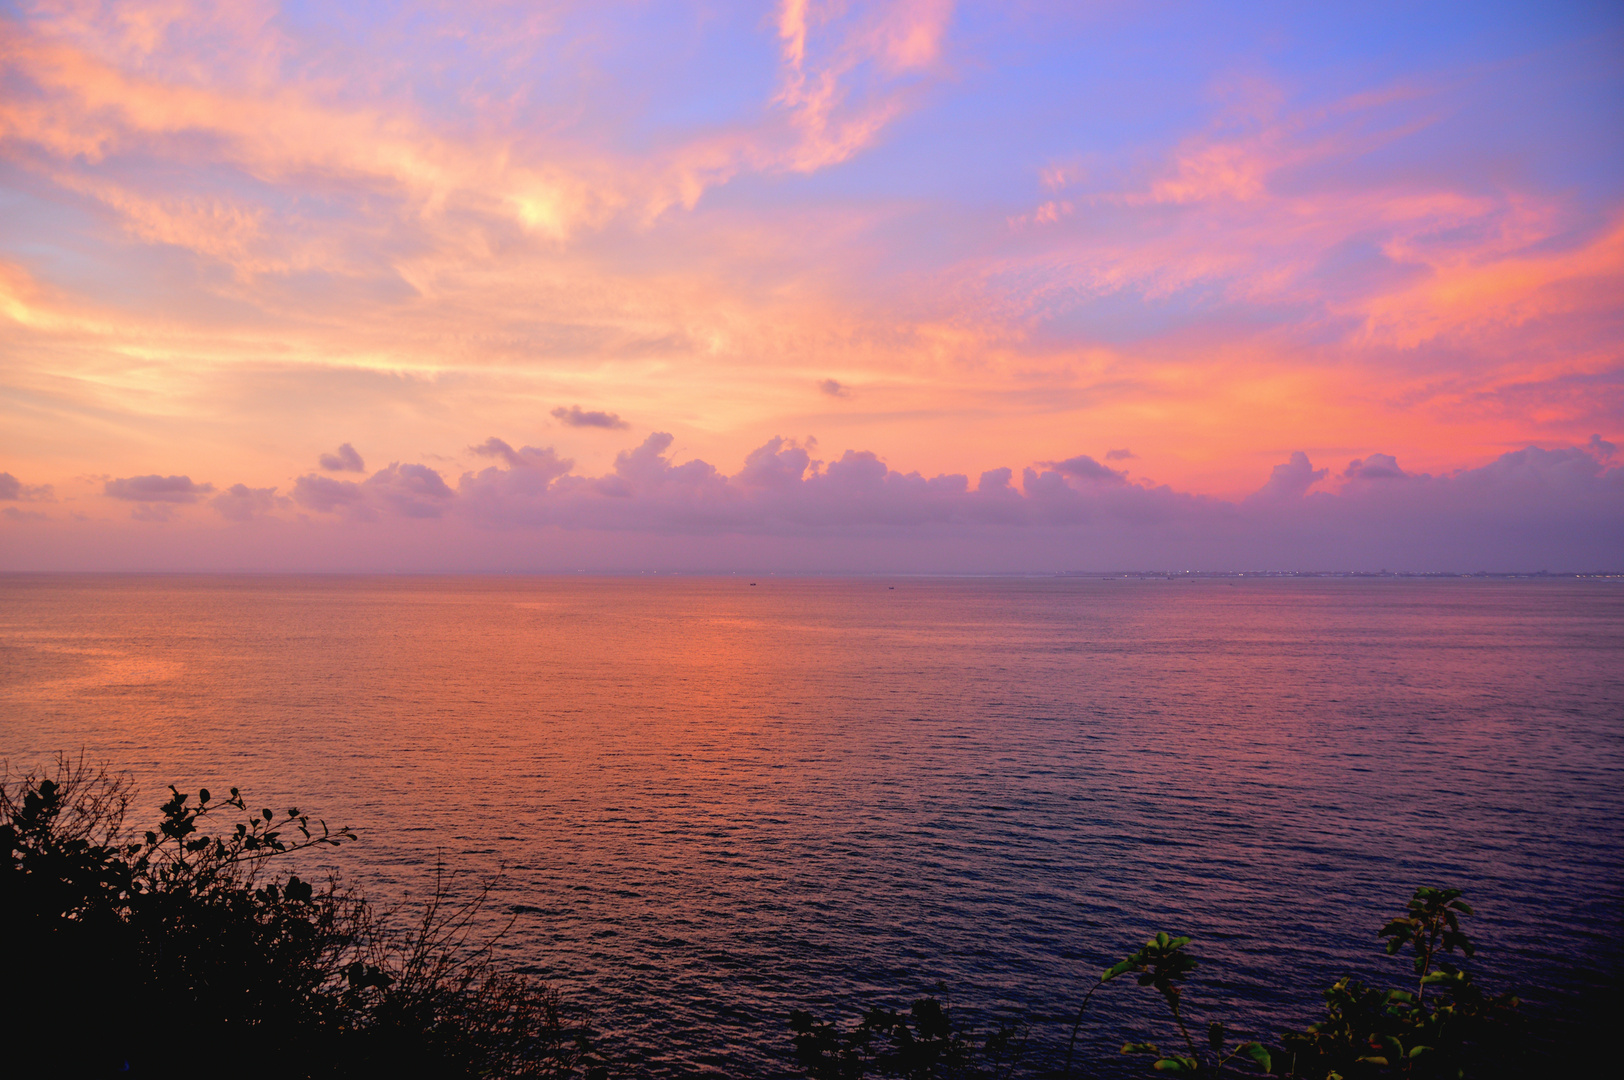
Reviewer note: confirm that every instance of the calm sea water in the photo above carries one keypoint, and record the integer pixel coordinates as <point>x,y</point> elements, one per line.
<point>711,802</point>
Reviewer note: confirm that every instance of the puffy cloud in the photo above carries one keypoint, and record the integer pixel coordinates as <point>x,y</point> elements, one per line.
<point>1601,447</point>
<point>1374,467</point>
<point>14,490</point>
<point>648,467</point>
<point>545,460</point>
<point>834,388</point>
<point>575,416</point>
<point>494,447</point>
<point>410,491</point>
<point>995,481</point>
<point>345,459</point>
<point>414,491</point>
<point>514,495</point>
<point>156,489</point>
<point>1120,455</point>
<point>1537,475</point>
<point>1534,508</point>
<point>1292,479</point>
<point>779,490</point>
<point>1083,467</point>
<point>325,495</point>
<point>239,502</point>
<point>775,464</point>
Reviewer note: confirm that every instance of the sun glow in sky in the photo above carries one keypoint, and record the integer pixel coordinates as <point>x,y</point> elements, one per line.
<point>562,276</point>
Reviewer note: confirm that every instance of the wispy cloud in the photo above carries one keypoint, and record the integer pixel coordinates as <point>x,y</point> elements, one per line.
<point>236,234</point>
<point>827,47</point>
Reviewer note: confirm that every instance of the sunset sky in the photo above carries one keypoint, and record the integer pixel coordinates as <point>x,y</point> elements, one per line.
<point>703,286</point>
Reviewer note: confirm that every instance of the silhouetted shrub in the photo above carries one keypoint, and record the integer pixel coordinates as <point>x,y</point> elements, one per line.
<point>1446,1027</point>
<point>920,1042</point>
<point>175,952</point>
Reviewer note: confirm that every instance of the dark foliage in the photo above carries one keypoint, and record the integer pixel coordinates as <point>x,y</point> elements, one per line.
<point>918,1043</point>
<point>177,952</point>
<point>180,951</point>
<point>1446,1027</point>
<point>1163,963</point>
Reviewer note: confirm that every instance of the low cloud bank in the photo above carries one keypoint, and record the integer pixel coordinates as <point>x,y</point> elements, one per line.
<point>239,502</point>
<point>1530,509</point>
<point>156,489</point>
<point>409,491</point>
<point>1557,509</point>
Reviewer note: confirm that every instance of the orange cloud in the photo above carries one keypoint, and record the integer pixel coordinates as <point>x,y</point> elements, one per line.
<point>367,272</point>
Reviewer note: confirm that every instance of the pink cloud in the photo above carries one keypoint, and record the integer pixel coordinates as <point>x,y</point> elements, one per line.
<point>239,502</point>
<point>826,45</point>
<point>1559,509</point>
<point>1528,509</point>
<point>276,240</point>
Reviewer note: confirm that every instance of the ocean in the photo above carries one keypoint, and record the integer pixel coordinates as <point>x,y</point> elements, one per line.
<point>707,801</point>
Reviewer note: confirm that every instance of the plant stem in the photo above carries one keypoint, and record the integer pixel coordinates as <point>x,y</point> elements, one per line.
<point>1072,1045</point>
<point>1179,1020</point>
<point>1426,958</point>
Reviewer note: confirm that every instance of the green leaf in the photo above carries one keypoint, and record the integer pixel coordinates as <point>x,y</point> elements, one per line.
<point>1140,1048</point>
<point>1119,968</point>
<point>1417,1051</point>
<point>1176,1066</point>
<point>1259,1054</point>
